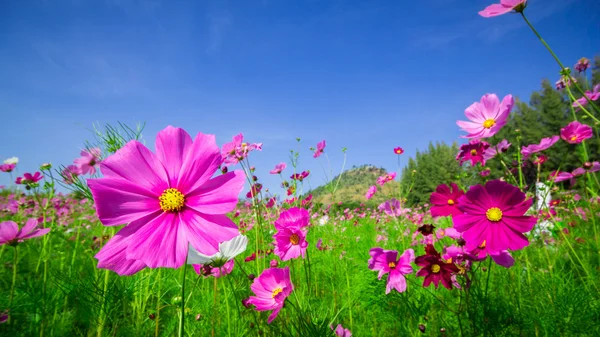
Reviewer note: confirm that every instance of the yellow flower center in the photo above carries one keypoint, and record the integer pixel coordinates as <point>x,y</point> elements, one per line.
<point>450,202</point>
<point>494,214</point>
<point>473,152</point>
<point>294,239</point>
<point>276,292</point>
<point>435,268</point>
<point>489,123</point>
<point>574,138</point>
<point>482,245</point>
<point>171,200</point>
<point>392,265</point>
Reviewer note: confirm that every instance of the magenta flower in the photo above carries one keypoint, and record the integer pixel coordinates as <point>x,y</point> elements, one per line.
<point>587,167</point>
<point>473,151</point>
<point>7,167</point>
<point>444,201</point>
<point>320,149</point>
<point>434,269</point>
<point>392,207</point>
<point>386,261</point>
<point>398,150</point>
<point>300,176</point>
<point>271,288</point>
<point>293,217</point>
<point>557,176</point>
<point>544,144</point>
<point>70,174</point>
<point>278,168</point>
<point>88,161</point>
<point>582,64</point>
<point>486,117</point>
<point>168,200</point>
<point>290,243</point>
<point>340,331</point>
<point>592,95</point>
<point>492,151</point>
<point>370,192</point>
<point>503,7</point>
<point>237,150</point>
<point>494,214</point>
<point>11,234</point>
<point>386,178</point>
<point>29,179</point>
<point>575,132</point>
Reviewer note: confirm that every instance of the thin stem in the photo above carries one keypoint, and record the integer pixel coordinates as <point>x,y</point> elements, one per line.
<point>182,317</point>
<point>14,279</point>
<point>157,305</point>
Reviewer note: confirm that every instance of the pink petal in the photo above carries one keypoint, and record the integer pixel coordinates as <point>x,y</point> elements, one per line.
<point>113,255</point>
<point>490,104</point>
<point>137,165</point>
<point>494,10</point>
<point>205,231</point>
<point>202,161</point>
<point>8,231</point>
<point>120,201</point>
<point>30,225</point>
<point>172,145</point>
<point>219,195</point>
<point>160,242</point>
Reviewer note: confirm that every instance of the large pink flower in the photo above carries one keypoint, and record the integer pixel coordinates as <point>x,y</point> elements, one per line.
<point>444,201</point>
<point>11,234</point>
<point>168,199</point>
<point>271,288</point>
<point>494,215</point>
<point>503,7</point>
<point>486,117</point>
<point>88,161</point>
<point>387,261</point>
<point>575,132</point>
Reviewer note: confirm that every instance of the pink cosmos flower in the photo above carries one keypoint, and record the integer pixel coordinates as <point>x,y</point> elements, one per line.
<point>486,117</point>
<point>473,151</point>
<point>300,176</point>
<point>392,207</point>
<point>290,243</point>
<point>544,144</point>
<point>503,7</point>
<point>398,150</point>
<point>575,132</point>
<point>168,200</point>
<point>293,217</point>
<point>386,261</point>
<point>271,288</point>
<point>11,234</point>
<point>70,174</point>
<point>386,178</point>
<point>587,167</point>
<point>236,150</point>
<point>434,269</point>
<point>320,149</point>
<point>278,168</point>
<point>582,64</point>
<point>340,331</point>
<point>371,192</point>
<point>444,201</point>
<point>208,270</point>
<point>494,214</point>
<point>557,176</point>
<point>88,161</point>
<point>7,167</point>
<point>492,151</point>
<point>592,95</point>
<point>28,178</point>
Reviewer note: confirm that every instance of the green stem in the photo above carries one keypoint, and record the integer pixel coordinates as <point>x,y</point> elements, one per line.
<point>557,60</point>
<point>14,280</point>
<point>182,317</point>
<point>157,305</point>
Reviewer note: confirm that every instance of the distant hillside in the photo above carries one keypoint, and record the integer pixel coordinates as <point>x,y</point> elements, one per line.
<point>353,186</point>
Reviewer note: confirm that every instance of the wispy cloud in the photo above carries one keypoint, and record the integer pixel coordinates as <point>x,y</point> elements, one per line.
<point>218,26</point>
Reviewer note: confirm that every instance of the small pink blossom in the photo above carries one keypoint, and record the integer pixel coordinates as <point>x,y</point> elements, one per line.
<point>320,149</point>
<point>278,168</point>
<point>486,117</point>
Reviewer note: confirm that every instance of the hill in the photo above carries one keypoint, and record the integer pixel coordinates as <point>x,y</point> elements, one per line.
<point>353,186</point>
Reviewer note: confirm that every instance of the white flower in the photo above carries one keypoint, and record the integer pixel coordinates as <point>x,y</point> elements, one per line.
<point>12,160</point>
<point>323,221</point>
<point>227,251</point>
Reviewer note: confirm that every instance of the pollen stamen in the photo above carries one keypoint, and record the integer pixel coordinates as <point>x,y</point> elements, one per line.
<point>171,200</point>
<point>276,292</point>
<point>294,239</point>
<point>488,123</point>
<point>435,268</point>
<point>494,214</point>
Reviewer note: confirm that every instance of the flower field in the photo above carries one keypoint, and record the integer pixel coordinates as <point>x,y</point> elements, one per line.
<point>183,240</point>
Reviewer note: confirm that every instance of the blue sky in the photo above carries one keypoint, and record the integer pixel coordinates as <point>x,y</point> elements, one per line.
<point>366,75</point>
